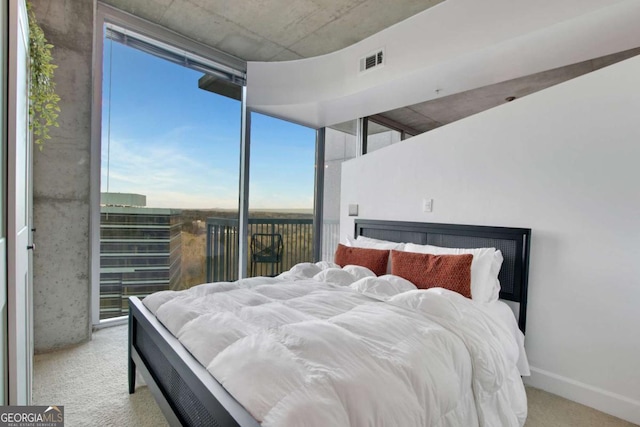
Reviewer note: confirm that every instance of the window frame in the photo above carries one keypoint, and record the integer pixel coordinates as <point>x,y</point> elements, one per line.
<point>405,131</point>
<point>106,14</point>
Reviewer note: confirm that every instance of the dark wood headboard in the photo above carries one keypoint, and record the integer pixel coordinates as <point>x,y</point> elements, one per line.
<point>513,242</point>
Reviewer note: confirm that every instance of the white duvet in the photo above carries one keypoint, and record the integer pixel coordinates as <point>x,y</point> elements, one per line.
<point>328,347</point>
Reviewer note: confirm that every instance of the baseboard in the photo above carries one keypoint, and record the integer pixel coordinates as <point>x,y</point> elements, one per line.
<point>597,398</point>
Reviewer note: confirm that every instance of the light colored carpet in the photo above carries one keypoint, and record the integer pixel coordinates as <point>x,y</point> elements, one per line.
<point>549,410</point>
<point>90,380</point>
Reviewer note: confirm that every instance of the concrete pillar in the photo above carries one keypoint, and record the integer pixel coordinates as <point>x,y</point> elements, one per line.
<point>61,270</point>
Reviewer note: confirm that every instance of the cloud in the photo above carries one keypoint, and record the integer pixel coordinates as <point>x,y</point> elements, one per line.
<point>167,176</point>
<point>189,201</point>
<point>187,168</point>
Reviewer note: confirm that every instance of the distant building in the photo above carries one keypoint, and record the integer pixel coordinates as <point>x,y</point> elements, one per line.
<point>140,250</point>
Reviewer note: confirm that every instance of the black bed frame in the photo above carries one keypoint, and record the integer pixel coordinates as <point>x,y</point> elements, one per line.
<point>188,395</point>
<point>512,242</point>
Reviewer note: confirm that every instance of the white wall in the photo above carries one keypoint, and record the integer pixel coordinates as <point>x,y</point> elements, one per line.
<point>563,162</point>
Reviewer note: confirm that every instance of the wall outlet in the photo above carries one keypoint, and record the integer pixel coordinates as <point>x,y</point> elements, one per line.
<point>427,205</point>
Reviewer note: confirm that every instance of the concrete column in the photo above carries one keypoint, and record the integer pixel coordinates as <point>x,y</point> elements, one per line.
<point>61,270</point>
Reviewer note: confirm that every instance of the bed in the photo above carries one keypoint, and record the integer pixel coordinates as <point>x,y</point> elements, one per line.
<point>189,395</point>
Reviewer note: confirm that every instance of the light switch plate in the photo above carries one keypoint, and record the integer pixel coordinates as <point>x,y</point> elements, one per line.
<point>353,210</point>
<point>427,205</point>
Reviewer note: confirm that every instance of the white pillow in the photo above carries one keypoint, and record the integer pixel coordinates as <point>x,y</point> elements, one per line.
<point>369,243</point>
<point>485,267</point>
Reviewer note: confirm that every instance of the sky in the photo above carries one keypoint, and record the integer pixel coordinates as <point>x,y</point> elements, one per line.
<point>179,145</point>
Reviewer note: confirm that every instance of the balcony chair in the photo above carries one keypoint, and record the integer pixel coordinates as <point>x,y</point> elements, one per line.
<point>266,249</point>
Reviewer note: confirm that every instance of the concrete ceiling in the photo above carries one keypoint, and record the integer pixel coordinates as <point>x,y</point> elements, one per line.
<point>425,116</point>
<point>438,112</point>
<point>275,30</point>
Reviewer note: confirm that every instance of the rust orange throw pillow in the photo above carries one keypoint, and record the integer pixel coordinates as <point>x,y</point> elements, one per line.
<point>452,272</point>
<point>374,259</point>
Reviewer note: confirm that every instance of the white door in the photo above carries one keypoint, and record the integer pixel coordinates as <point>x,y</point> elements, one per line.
<point>4,4</point>
<point>20,348</point>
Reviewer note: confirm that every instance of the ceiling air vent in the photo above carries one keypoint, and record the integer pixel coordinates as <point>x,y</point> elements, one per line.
<point>373,60</point>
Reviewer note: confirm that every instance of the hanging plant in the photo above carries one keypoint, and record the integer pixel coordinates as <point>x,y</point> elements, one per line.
<point>43,106</point>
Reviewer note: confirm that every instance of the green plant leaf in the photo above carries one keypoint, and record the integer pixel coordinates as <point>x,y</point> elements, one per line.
<point>43,98</point>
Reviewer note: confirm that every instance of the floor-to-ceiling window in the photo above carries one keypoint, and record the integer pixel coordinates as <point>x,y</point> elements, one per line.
<point>340,146</point>
<point>345,141</point>
<point>169,172</point>
<point>281,195</point>
<point>172,175</point>
<point>380,135</point>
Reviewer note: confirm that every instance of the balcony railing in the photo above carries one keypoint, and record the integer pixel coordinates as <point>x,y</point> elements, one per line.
<point>222,245</point>
<point>297,234</point>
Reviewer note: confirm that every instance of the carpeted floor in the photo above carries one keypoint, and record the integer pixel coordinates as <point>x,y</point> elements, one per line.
<point>90,380</point>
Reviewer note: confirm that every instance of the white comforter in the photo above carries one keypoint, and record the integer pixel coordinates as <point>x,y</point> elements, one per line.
<point>321,346</point>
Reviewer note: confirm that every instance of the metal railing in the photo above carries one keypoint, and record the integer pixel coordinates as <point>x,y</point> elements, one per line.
<point>222,246</point>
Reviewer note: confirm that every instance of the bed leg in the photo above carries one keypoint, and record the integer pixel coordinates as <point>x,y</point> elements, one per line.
<point>132,365</point>
<point>132,376</point>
